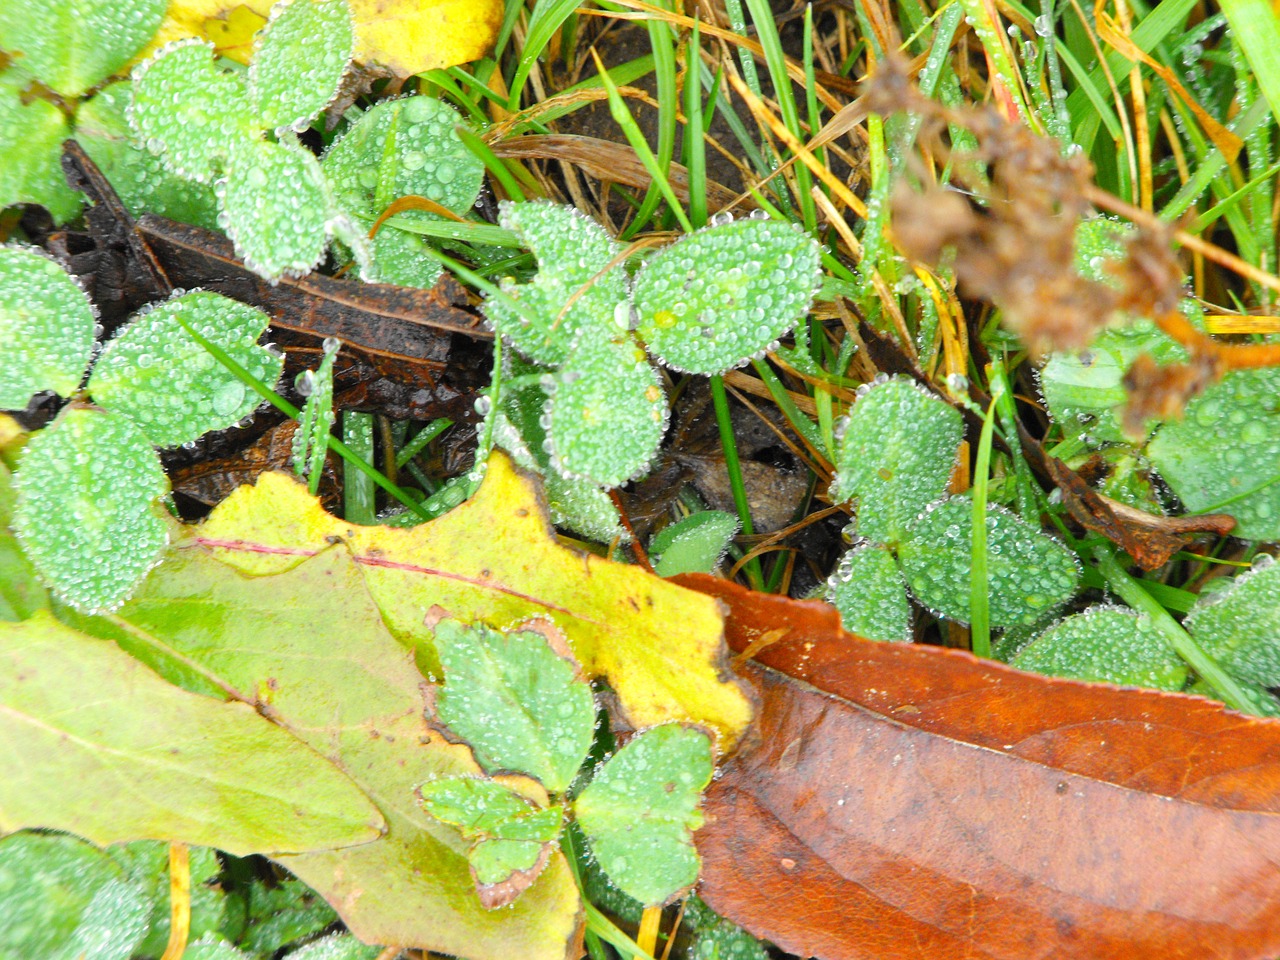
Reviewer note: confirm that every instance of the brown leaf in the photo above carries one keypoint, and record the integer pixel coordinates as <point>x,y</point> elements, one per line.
<point>905,801</point>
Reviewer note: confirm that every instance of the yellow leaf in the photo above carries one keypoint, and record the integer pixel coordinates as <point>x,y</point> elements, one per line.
<point>403,36</point>
<point>495,558</point>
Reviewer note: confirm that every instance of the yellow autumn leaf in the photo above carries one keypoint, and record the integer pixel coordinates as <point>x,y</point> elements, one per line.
<point>402,36</point>
<point>495,558</point>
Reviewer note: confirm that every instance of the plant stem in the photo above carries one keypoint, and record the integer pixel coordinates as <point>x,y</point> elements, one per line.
<point>725,422</point>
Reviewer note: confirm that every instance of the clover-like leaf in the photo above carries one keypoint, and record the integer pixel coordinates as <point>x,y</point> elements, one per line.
<point>868,590</point>
<point>1106,645</point>
<point>724,295</point>
<point>695,544</point>
<point>276,205</point>
<point>1223,456</point>
<point>298,61</point>
<point>607,412</point>
<point>73,45</point>
<point>1028,573</point>
<point>86,510</point>
<point>574,289</point>
<point>398,258</point>
<point>143,183</point>
<point>31,135</point>
<point>640,811</point>
<point>158,375</point>
<point>46,328</point>
<point>1240,626</point>
<point>189,111</point>
<point>894,454</point>
<point>517,698</point>
<point>511,838</point>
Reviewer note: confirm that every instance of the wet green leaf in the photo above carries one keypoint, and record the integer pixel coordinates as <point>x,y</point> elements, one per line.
<point>1240,626</point>
<point>518,699</point>
<point>21,593</point>
<point>724,295</point>
<point>298,61</point>
<point>46,327</point>
<point>160,377</point>
<point>695,544</point>
<point>1028,572</point>
<point>1106,645</point>
<point>868,590</point>
<point>640,811</point>
<point>31,135</point>
<point>894,454</point>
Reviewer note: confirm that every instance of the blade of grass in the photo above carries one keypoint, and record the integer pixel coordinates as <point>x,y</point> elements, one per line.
<point>979,582</point>
<point>1255,28</point>
<point>695,146</point>
<point>359,498</point>
<point>724,421</point>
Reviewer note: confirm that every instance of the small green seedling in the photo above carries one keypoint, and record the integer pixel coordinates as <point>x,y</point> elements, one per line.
<point>519,700</point>
<point>695,544</point>
<point>88,484</point>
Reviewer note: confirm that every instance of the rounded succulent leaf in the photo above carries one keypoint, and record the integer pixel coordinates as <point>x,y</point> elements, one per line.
<point>1240,626</point>
<point>155,373</point>
<point>1106,645</point>
<point>1028,573</point>
<point>868,590</point>
<point>298,61</point>
<point>73,45</point>
<point>724,295</point>
<point>607,413</point>
<point>275,204</point>
<point>86,510</point>
<point>1223,456</point>
<point>189,111</point>
<point>31,135</point>
<point>570,293</point>
<point>46,328</point>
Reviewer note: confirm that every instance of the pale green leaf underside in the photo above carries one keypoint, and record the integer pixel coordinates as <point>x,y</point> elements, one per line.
<point>1223,456</point>
<point>82,757</point>
<point>73,45</point>
<point>1028,573</point>
<point>607,412</point>
<point>519,704</point>
<point>189,111</point>
<point>298,61</point>
<point>31,136</point>
<point>868,590</point>
<point>894,455</point>
<point>724,295</point>
<point>1240,626</point>
<point>86,509</point>
<point>155,373</point>
<point>46,328</point>
<point>1106,645</point>
<point>695,544</point>
<point>640,811</point>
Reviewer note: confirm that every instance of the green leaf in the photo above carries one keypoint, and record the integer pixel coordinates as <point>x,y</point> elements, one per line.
<point>21,593</point>
<point>156,374</point>
<point>517,698</point>
<point>338,946</point>
<point>1223,456</point>
<point>640,811</point>
<point>80,756</point>
<point>189,111</point>
<point>894,454</point>
<point>46,327</point>
<point>276,205</point>
<point>31,135</point>
<point>282,914</point>
<point>1028,572</point>
<point>724,295</point>
<point>715,938</point>
<point>566,296</point>
<point>213,948</point>
<point>76,44</point>
<point>311,438</point>
<point>86,510</point>
<point>868,590</point>
<point>1240,626</point>
<point>143,183</point>
<point>298,61</point>
<point>398,258</point>
<point>607,412</point>
<point>147,864</point>
<point>510,837</point>
<point>1106,645</point>
<point>695,544</point>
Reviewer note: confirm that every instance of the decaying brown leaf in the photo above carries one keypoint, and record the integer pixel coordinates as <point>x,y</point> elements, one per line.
<point>904,801</point>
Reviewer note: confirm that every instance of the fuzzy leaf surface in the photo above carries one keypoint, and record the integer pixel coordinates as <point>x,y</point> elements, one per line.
<point>90,543</point>
<point>160,377</point>
<point>640,810</point>
<point>81,757</point>
<point>31,136</point>
<point>46,327</point>
<point>517,698</point>
<point>868,590</point>
<point>21,592</point>
<point>695,544</point>
<point>724,295</point>
<point>894,455</point>
<point>1241,626</point>
<point>617,618</point>
<point>1108,645</point>
<point>298,62</point>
